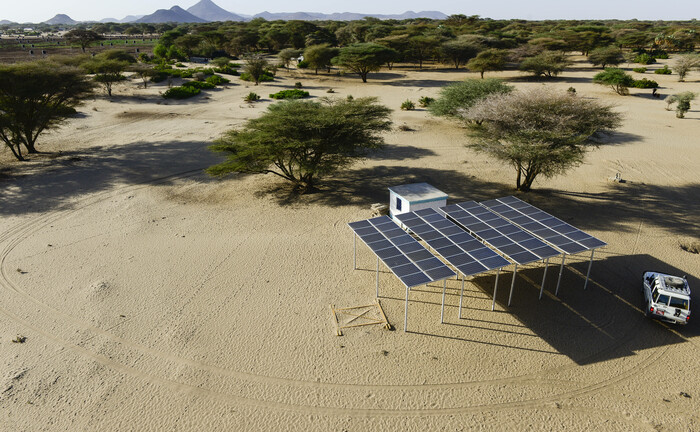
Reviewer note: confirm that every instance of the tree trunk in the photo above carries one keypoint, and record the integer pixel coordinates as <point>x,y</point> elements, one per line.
<point>482,74</point>
<point>363,75</point>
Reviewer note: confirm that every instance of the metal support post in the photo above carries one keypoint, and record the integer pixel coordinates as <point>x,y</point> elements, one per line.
<point>461,294</point>
<point>405,313</point>
<point>377,278</point>
<point>588,273</point>
<point>495,289</point>
<point>512,284</point>
<point>442,312</point>
<point>354,252</point>
<point>561,269</point>
<point>544,276</point>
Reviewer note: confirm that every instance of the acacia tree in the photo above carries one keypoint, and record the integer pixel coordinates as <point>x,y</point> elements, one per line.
<point>363,58</point>
<point>617,79</point>
<point>255,66</point>
<point>462,49</point>
<point>538,132</point>
<point>82,37</point>
<point>144,71</point>
<point>684,64</point>
<point>458,97</point>
<point>301,141</point>
<point>489,60</point>
<point>320,56</point>
<point>35,97</point>
<point>606,56</point>
<point>107,72</point>
<point>547,63</point>
<point>286,56</point>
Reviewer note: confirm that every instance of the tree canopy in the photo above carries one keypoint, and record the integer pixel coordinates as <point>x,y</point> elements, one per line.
<point>82,37</point>
<point>606,56</point>
<point>538,132</point>
<point>35,97</point>
<point>547,63</point>
<point>363,58</point>
<point>489,60</point>
<point>458,97</point>
<point>617,79</point>
<point>301,141</point>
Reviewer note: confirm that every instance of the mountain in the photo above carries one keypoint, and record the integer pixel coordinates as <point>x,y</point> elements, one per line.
<point>174,14</point>
<point>209,11</point>
<point>3,22</point>
<point>346,16</point>
<point>61,19</point>
<point>130,18</point>
<point>109,20</point>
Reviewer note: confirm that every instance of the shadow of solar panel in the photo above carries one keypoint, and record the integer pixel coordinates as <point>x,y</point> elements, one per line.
<point>415,279</point>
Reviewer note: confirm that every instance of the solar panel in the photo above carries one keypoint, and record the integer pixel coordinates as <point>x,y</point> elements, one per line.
<point>458,248</point>
<point>517,244</point>
<point>543,225</point>
<point>401,253</point>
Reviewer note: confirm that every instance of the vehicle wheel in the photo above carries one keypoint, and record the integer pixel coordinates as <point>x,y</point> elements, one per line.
<point>646,310</point>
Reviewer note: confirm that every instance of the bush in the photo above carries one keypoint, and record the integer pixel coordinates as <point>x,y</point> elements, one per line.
<point>571,91</point>
<point>180,65</point>
<point>251,97</point>
<point>407,105</point>
<point>639,69</point>
<point>228,70</point>
<point>425,101</point>
<point>644,58</point>
<point>290,94</point>
<point>663,71</point>
<point>330,90</point>
<point>645,83</point>
<point>183,92</point>
<point>303,64</point>
<point>457,97</point>
<point>617,79</point>
<point>663,55</point>
<point>298,85</point>
<point>199,85</point>
<point>266,77</point>
<point>217,80</point>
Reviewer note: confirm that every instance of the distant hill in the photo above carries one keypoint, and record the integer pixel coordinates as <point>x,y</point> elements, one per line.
<point>346,16</point>
<point>61,19</point>
<point>6,22</point>
<point>209,11</point>
<point>109,20</point>
<point>130,18</point>
<point>174,14</point>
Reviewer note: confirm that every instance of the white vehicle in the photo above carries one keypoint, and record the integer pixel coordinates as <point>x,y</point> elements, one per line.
<point>666,297</point>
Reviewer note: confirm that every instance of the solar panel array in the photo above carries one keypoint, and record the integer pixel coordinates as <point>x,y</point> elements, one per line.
<point>464,252</point>
<point>517,244</point>
<point>401,253</point>
<point>551,229</point>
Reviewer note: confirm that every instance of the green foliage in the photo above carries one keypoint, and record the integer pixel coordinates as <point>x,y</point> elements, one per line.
<point>460,50</point>
<point>183,92</point>
<point>116,54</point>
<point>202,85</point>
<point>304,64</point>
<point>547,63</point>
<point>606,56</point>
<point>425,101</point>
<point>571,91</point>
<point>228,70</point>
<point>286,56</point>
<point>408,105</point>
<point>251,97</point>
<point>107,72</point>
<point>301,141</point>
<point>217,80</point>
<point>538,132</point>
<point>220,62</point>
<point>663,71</point>
<point>290,94</point>
<point>682,101</point>
<point>266,77</point>
<point>685,63</point>
<point>617,79</point>
<point>457,97</point>
<point>363,58</point>
<point>639,69</point>
<point>645,83</point>
<point>488,60</point>
<point>36,97</point>
<point>255,68</point>
<point>82,37</point>
<point>320,56</point>
<point>644,59</point>
<point>298,85</point>
<point>180,65</point>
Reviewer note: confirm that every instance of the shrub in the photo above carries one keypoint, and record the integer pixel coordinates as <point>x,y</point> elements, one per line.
<point>571,91</point>
<point>644,59</point>
<point>180,65</point>
<point>228,70</point>
<point>407,105</point>
<point>663,71</point>
<point>245,76</point>
<point>645,83</point>
<point>290,94</point>
<point>683,102</point>
<point>251,97</point>
<point>425,101</point>
<point>617,79</point>
<point>639,69</point>
<point>663,55</point>
<point>183,92</point>
<point>459,96</point>
<point>349,98</point>
<point>298,85</point>
<point>199,85</point>
<point>330,90</point>
<point>217,80</point>
<point>303,64</point>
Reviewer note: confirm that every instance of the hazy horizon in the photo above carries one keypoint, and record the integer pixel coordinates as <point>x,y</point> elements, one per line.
<point>36,11</point>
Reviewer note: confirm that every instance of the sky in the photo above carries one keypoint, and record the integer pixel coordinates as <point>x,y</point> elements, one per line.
<point>83,10</point>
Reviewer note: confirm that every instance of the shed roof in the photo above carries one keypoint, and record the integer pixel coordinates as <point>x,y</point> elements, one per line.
<point>418,192</point>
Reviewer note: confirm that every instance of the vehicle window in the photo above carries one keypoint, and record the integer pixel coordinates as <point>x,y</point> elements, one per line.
<point>663,299</point>
<point>655,295</point>
<point>677,302</point>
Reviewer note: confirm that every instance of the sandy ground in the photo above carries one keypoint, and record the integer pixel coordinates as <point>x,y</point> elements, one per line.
<point>154,297</point>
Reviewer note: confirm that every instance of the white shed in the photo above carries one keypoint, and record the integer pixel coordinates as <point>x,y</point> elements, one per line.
<point>411,197</point>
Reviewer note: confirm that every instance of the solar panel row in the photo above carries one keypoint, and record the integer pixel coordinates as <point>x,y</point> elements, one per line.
<point>517,244</point>
<point>457,247</point>
<point>401,253</point>
<point>553,230</point>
